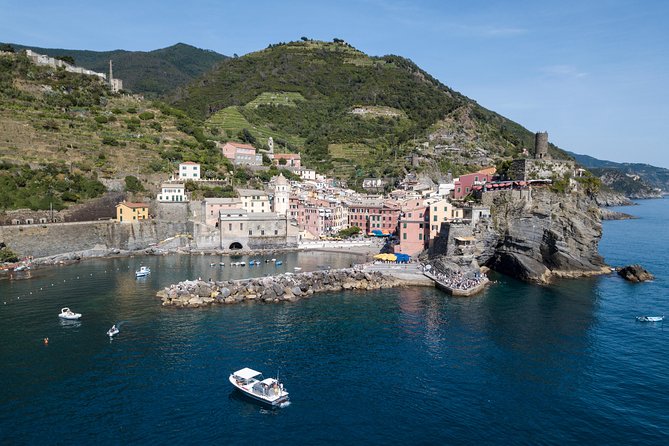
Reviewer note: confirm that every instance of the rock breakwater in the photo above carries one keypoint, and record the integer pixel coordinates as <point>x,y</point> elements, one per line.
<point>272,289</point>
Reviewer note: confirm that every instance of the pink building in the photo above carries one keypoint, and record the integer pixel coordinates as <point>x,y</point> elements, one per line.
<point>241,154</point>
<point>414,227</point>
<point>368,216</point>
<point>465,184</point>
<point>212,206</point>
<point>292,159</point>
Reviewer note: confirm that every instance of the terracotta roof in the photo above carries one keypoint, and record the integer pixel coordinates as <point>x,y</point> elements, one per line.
<point>241,145</point>
<point>134,205</point>
<point>189,162</point>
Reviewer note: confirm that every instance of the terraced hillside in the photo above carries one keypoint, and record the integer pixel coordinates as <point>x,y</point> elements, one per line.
<point>66,122</point>
<point>386,105</point>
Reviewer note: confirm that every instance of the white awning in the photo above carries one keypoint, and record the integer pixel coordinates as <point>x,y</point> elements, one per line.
<point>246,373</point>
<point>268,381</point>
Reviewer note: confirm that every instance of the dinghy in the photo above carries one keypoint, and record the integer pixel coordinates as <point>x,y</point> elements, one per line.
<point>650,318</point>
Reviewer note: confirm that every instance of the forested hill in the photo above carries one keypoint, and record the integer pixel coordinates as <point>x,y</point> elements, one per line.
<point>152,73</point>
<point>632,179</point>
<point>348,113</point>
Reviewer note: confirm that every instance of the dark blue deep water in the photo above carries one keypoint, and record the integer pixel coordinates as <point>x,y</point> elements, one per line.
<point>519,364</point>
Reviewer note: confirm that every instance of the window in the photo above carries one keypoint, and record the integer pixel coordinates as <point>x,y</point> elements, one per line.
<point>262,232</point>
<point>250,232</point>
<point>420,236</point>
<point>405,226</point>
<point>241,226</point>
<point>276,232</point>
<point>404,236</point>
<point>435,218</point>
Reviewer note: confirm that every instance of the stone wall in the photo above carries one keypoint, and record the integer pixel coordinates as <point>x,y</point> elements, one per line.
<point>534,169</point>
<point>59,238</point>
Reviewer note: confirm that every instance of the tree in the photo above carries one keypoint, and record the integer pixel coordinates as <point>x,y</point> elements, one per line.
<point>304,39</point>
<point>7,48</point>
<point>282,161</point>
<point>66,59</point>
<point>132,184</point>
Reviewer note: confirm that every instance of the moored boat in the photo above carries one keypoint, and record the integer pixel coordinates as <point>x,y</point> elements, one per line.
<point>265,390</point>
<point>650,318</point>
<point>143,271</point>
<point>113,331</point>
<point>66,313</point>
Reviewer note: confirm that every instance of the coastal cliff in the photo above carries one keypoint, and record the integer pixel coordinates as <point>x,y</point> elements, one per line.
<point>544,235</point>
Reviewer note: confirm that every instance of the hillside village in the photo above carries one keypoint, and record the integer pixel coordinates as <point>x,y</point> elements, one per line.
<point>299,206</point>
<point>284,214</point>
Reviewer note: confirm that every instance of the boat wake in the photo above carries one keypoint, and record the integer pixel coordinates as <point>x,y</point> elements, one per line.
<point>284,404</point>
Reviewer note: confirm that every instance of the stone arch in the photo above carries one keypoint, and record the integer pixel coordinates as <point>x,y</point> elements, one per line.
<point>235,246</point>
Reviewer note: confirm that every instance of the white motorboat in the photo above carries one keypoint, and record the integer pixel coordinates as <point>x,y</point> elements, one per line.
<point>297,268</point>
<point>222,263</point>
<point>143,271</point>
<point>113,331</point>
<point>265,390</point>
<point>650,318</point>
<point>68,314</point>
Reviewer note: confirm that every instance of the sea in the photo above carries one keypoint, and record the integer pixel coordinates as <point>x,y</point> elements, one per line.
<point>517,364</point>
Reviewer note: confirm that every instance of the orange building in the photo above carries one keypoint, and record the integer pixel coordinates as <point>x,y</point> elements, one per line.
<point>130,212</point>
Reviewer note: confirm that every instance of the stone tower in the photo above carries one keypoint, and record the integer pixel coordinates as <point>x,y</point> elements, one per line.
<point>281,195</point>
<point>270,144</point>
<point>541,145</point>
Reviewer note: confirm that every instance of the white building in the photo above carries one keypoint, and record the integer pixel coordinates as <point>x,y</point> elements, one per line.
<point>189,171</point>
<point>172,193</point>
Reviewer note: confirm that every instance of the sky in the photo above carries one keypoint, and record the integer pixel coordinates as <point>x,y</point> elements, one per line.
<point>592,73</point>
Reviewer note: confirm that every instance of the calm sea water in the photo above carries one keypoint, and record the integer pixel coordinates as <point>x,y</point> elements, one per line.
<point>519,364</point>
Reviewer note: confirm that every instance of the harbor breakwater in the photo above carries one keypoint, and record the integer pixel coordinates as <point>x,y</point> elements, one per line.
<point>273,289</point>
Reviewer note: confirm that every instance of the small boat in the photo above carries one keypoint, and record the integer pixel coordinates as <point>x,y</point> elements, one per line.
<point>273,260</point>
<point>212,264</point>
<point>242,263</point>
<point>113,331</point>
<point>650,318</point>
<point>297,268</point>
<point>68,314</point>
<point>143,271</point>
<point>251,263</point>
<point>222,263</point>
<point>278,262</point>
<point>265,390</point>
<point>21,268</point>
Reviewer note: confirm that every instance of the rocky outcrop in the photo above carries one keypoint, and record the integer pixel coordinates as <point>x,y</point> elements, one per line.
<point>635,273</point>
<point>281,288</point>
<point>608,214</point>
<point>546,235</point>
<point>611,198</point>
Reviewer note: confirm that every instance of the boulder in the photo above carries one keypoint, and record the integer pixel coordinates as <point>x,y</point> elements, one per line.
<point>635,273</point>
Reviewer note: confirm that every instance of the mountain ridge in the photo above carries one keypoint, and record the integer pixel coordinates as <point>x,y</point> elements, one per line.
<point>153,73</point>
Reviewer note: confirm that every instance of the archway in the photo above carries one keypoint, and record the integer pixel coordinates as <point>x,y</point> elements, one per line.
<point>235,245</point>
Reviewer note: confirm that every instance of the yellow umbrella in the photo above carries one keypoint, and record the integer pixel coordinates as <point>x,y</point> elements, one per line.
<point>391,257</point>
<point>379,257</point>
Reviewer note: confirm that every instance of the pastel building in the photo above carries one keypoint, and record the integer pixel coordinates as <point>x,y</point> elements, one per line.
<point>189,171</point>
<point>211,208</point>
<point>465,184</point>
<point>290,159</point>
<point>281,195</point>
<point>413,228</point>
<point>172,193</point>
<point>241,154</point>
<point>254,201</point>
<point>374,214</point>
<point>131,212</point>
<point>440,212</point>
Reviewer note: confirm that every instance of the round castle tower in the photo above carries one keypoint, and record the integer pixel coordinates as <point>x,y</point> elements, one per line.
<point>541,145</point>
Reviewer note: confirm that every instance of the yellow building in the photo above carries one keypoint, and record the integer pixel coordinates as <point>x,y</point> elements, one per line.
<point>130,212</point>
<point>440,212</point>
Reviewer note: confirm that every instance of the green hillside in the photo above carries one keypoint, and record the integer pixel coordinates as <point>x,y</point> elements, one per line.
<point>61,134</point>
<point>152,73</point>
<point>386,104</point>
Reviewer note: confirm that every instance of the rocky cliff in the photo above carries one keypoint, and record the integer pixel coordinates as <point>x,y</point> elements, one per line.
<point>544,235</point>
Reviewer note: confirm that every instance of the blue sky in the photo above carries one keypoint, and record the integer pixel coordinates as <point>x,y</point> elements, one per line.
<point>593,74</point>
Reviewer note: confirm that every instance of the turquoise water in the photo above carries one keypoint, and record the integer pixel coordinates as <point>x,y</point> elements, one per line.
<point>519,364</point>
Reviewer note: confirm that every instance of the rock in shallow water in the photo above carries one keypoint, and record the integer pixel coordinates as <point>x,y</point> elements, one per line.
<point>635,273</point>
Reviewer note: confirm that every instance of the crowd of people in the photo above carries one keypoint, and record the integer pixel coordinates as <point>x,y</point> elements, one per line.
<point>459,281</point>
